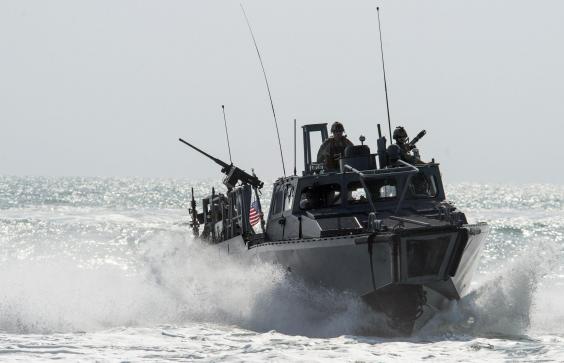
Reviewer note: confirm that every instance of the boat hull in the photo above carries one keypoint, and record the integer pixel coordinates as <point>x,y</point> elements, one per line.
<point>395,272</point>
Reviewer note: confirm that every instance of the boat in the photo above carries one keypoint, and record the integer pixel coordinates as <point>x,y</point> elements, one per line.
<point>377,227</point>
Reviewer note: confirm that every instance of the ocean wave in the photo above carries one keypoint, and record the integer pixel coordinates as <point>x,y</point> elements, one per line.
<point>505,302</point>
<point>114,256</point>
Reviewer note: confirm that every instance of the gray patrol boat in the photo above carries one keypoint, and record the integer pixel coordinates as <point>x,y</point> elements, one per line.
<point>379,228</point>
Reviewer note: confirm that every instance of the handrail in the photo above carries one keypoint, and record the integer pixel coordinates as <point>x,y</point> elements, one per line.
<point>414,170</point>
<point>407,220</point>
<point>410,171</point>
<point>408,168</point>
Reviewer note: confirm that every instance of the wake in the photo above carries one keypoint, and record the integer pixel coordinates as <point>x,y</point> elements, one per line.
<point>510,301</point>
<point>179,281</point>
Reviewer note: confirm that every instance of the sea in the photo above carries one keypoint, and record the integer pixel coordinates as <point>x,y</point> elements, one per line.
<point>106,269</point>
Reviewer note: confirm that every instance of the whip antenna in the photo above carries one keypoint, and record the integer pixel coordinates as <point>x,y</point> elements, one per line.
<point>295,147</point>
<point>384,71</point>
<point>226,133</point>
<point>267,88</point>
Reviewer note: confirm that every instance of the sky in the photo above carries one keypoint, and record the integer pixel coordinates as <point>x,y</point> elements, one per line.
<point>106,88</point>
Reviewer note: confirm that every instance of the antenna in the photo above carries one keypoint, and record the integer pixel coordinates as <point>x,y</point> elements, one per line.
<point>295,147</point>
<point>226,133</point>
<point>267,88</point>
<point>384,71</point>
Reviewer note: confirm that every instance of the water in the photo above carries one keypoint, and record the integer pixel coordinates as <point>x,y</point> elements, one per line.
<point>105,269</point>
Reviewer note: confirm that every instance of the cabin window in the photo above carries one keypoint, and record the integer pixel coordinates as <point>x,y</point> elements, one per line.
<point>382,189</point>
<point>315,141</point>
<point>288,197</point>
<point>356,193</point>
<point>236,204</point>
<point>423,186</point>
<point>320,196</point>
<point>220,207</point>
<point>278,201</point>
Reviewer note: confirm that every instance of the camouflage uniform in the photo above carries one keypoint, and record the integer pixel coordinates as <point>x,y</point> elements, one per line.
<point>330,150</point>
<point>406,154</point>
<point>400,136</point>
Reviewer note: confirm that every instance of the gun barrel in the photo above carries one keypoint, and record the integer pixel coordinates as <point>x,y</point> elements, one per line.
<point>217,161</point>
<point>234,174</point>
<point>417,138</point>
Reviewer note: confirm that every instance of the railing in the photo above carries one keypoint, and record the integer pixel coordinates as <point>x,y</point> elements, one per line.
<point>408,171</point>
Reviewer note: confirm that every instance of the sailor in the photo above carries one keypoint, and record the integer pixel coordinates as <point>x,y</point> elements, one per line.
<point>334,147</point>
<point>402,140</point>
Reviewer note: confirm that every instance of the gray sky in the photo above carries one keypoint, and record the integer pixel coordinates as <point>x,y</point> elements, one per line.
<point>105,88</point>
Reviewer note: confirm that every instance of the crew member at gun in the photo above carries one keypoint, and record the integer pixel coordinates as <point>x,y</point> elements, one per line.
<point>402,140</point>
<point>334,147</point>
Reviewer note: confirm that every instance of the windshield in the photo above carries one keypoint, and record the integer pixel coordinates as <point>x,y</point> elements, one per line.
<point>382,189</point>
<point>320,196</point>
<point>423,186</point>
<point>356,193</point>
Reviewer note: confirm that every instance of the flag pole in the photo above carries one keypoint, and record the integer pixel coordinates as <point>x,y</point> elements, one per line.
<point>261,215</point>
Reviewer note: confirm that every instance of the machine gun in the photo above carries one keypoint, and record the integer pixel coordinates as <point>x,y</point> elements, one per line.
<point>411,144</point>
<point>195,224</point>
<point>232,173</point>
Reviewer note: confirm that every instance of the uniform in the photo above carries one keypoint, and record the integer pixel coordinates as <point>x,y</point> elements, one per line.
<point>406,154</point>
<point>331,150</point>
<point>400,136</point>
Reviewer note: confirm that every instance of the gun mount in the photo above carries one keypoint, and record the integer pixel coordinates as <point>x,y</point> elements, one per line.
<point>233,174</point>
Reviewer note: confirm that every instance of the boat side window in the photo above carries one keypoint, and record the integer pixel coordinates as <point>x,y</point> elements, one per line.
<point>382,189</point>
<point>236,205</point>
<point>320,196</point>
<point>288,197</point>
<point>423,186</point>
<point>278,200</point>
<point>356,193</point>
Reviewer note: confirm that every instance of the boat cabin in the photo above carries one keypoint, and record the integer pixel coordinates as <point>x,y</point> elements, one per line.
<point>323,203</point>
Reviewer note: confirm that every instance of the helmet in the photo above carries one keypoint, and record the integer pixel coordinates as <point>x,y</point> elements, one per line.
<point>337,126</point>
<point>400,133</point>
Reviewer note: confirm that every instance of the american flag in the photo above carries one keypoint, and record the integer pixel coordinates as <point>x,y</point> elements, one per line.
<point>254,213</point>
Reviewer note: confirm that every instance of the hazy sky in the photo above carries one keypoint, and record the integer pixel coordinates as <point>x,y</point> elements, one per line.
<point>105,88</point>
